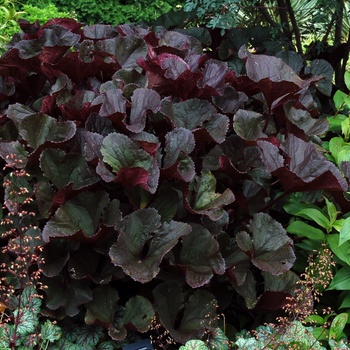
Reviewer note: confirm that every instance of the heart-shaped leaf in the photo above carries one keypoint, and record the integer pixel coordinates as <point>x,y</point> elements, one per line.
<point>206,201</point>
<point>143,241</point>
<point>66,294</point>
<point>271,247</point>
<point>82,213</point>
<point>62,169</point>
<point>200,253</point>
<point>170,304</point>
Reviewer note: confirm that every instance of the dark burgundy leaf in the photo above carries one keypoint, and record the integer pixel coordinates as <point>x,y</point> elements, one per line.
<point>99,31</point>
<point>188,114</point>
<point>140,229</point>
<point>142,101</point>
<point>200,254</point>
<point>66,294</point>
<point>249,125</point>
<point>305,169</point>
<point>184,320</point>
<point>113,102</point>
<point>269,246</point>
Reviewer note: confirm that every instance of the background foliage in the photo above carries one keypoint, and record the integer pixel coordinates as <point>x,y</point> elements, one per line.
<point>115,11</point>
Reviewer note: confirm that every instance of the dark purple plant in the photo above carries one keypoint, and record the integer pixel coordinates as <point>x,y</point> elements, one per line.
<point>154,167</point>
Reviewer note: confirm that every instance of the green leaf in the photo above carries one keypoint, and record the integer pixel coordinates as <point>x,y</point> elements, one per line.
<point>320,333</point>
<point>30,300</point>
<point>341,100</point>
<point>219,340</point>
<point>120,152</point>
<point>301,229</point>
<point>26,321</point>
<point>337,326</point>
<point>200,253</point>
<point>143,241</point>
<point>50,332</point>
<point>346,300</point>
<point>6,336</point>
<point>343,251</point>
<point>205,191</point>
<point>132,164</point>
<point>194,345</point>
<point>315,320</point>
<point>316,215</point>
<point>344,234</point>
<point>38,128</point>
<point>107,345</point>
<point>332,210</point>
<point>347,79</point>
<point>62,169</point>
<point>82,213</point>
<point>206,200</point>
<point>65,344</point>
<point>341,279</point>
<point>335,145</point>
<point>343,155</point>
<point>294,206</point>
<point>89,336</point>
<point>335,122</point>
<point>345,128</point>
<point>338,224</point>
<point>338,345</point>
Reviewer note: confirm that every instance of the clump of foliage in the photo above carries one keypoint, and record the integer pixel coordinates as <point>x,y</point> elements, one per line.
<point>218,340</point>
<point>34,13</point>
<point>156,172</point>
<point>116,11</point>
<point>8,21</point>
<point>23,330</point>
<point>323,24</point>
<point>11,12</point>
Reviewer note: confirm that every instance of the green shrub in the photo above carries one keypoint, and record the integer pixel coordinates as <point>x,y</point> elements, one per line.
<point>43,14</point>
<point>113,11</point>
<point>9,15</point>
<point>8,22</point>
